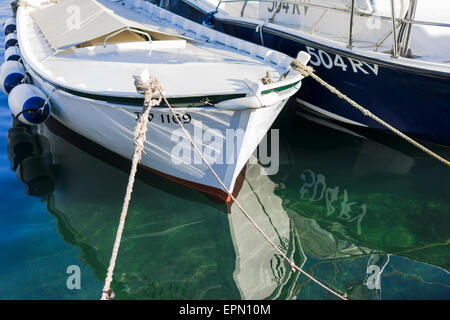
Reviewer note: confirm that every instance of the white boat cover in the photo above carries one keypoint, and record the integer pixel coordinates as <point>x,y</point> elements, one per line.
<point>72,22</point>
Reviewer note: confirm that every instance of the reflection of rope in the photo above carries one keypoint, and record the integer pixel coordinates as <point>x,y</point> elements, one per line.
<point>149,89</point>
<point>309,71</point>
<point>381,271</point>
<point>371,262</point>
<point>291,263</point>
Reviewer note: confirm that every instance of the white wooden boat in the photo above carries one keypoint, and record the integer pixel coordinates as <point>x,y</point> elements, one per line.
<point>85,54</point>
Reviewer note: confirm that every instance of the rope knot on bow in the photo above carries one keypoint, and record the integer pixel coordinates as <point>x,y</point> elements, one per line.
<point>305,71</point>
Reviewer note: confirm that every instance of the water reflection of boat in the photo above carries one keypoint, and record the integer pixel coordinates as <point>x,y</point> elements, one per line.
<point>180,245</point>
<point>373,200</point>
<point>260,271</point>
<point>176,245</point>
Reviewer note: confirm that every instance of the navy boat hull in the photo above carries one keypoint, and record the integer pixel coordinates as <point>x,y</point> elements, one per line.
<point>413,100</point>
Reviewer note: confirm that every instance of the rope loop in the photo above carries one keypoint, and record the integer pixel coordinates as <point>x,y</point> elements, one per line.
<point>305,71</point>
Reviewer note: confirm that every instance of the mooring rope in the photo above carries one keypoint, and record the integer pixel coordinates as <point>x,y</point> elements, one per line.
<point>291,263</point>
<point>309,71</point>
<point>149,89</point>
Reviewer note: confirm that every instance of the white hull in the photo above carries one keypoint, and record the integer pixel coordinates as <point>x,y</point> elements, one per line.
<point>112,126</point>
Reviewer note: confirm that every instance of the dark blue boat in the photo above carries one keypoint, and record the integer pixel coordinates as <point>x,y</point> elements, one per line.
<point>413,96</point>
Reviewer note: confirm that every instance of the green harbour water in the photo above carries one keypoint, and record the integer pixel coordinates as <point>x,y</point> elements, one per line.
<point>344,205</point>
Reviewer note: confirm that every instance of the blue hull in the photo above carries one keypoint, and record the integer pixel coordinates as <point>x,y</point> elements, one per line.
<point>415,101</point>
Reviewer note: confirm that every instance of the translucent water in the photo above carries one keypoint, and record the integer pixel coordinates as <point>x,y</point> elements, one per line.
<point>363,212</point>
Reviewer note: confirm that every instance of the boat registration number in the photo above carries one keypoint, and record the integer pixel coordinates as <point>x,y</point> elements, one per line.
<point>330,61</point>
<point>166,117</point>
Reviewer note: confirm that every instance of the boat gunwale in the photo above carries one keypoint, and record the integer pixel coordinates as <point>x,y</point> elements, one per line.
<point>137,99</point>
<point>137,102</point>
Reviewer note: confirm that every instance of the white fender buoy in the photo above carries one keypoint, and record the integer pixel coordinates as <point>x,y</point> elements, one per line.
<point>12,54</point>
<point>10,26</point>
<point>12,74</point>
<point>11,40</point>
<point>29,104</point>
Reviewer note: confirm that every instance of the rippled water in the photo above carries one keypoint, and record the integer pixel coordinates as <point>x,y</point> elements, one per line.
<point>346,206</point>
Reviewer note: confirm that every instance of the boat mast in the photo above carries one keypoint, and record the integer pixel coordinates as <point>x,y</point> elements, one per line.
<point>350,38</point>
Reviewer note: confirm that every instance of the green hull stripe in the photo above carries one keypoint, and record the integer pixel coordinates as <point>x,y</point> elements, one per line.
<point>176,102</point>
<point>288,86</point>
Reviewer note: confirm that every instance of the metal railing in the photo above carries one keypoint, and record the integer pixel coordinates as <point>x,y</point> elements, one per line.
<point>400,47</point>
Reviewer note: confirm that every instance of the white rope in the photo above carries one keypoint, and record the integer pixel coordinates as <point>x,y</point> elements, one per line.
<point>139,139</point>
<point>49,97</point>
<point>291,263</point>
<point>259,28</point>
<point>149,89</point>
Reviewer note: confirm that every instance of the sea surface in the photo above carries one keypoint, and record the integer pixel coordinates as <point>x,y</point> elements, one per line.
<point>361,211</point>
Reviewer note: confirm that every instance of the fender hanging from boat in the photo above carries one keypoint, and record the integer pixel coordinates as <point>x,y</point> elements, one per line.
<point>12,73</point>
<point>12,54</point>
<point>11,40</point>
<point>9,26</point>
<point>29,104</point>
